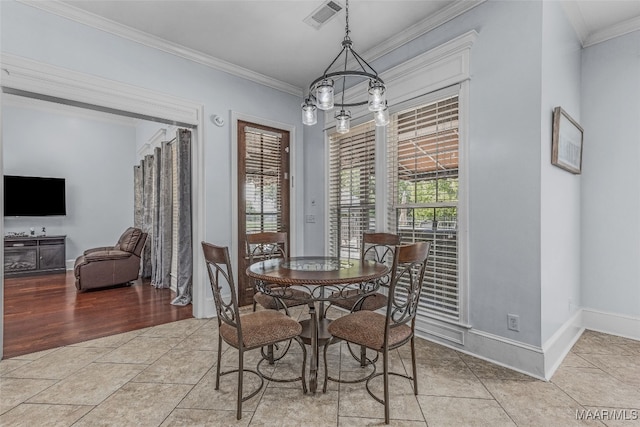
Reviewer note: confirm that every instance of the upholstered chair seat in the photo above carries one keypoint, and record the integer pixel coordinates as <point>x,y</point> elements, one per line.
<point>268,245</point>
<point>260,329</point>
<point>385,332</point>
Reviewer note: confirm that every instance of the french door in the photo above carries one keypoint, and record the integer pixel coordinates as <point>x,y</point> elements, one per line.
<point>263,190</point>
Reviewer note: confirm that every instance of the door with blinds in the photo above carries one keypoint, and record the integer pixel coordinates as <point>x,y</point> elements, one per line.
<point>263,190</point>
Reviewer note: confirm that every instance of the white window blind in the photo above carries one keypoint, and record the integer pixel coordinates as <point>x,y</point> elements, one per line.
<point>423,195</point>
<point>263,180</point>
<point>351,189</point>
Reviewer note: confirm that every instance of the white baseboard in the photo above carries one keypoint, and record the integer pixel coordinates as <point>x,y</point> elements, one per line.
<point>611,323</point>
<point>520,357</point>
<point>538,362</point>
<point>557,347</point>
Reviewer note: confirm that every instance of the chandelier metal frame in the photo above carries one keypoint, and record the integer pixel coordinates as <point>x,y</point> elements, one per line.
<point>376,88</point>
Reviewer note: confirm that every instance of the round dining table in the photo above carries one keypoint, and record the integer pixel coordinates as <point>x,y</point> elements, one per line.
<point>325,279</point>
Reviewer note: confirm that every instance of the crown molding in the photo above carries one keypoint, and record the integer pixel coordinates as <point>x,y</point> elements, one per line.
<point>86,18</point>
<point>612,32</point>
<point>439,18</point>
<point>587,39</point>
<point>576,19</point>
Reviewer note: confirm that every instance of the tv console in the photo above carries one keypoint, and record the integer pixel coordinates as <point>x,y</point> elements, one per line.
<point>30,255</point>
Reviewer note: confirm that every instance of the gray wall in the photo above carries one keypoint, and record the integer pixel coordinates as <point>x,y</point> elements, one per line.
<point>560,214</point>
<point>611,176</point>
<point>505,153</point>
<point>94,155</point>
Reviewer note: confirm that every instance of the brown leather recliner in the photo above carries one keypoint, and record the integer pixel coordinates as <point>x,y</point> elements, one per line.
<point>111,265</point>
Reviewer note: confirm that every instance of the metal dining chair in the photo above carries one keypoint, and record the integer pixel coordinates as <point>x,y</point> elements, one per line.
<point>378,247</point>
<point>268,245</point>
<point>249,331</point>
<point>385,332</point>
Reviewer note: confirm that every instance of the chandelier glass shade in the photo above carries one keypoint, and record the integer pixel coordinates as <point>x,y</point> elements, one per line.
<point>321,90</point>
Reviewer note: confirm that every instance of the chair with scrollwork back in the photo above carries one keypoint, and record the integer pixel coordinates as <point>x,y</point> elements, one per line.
<point>268,245</point>
<point>249,331</point>
<point>378,247</point>
<point>385,332</point>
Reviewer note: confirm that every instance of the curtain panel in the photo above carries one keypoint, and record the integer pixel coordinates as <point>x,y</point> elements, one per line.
<point>155,193</point>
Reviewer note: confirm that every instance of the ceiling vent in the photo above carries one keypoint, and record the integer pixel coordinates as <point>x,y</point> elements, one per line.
<point>323,14</point>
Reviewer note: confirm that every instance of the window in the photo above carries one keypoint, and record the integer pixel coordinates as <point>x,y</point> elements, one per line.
<point>351,189</point>
<point>264,180</point>
<point>422,161</point>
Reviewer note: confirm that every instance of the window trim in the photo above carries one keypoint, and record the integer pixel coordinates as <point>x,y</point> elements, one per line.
<point>440,69</point>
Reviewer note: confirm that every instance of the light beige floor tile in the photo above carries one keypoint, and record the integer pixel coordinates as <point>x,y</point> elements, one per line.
<point>289,407</point>
<point>449,377</point>
<point>356,401</point>
<point>205,396</point>
<point>14,391</point>
<point>58,364</point>
<point>426,350</point>
<point>484,369</point>
<point>624,367</point>
<point>36,355</point>
<point>600,371</point>
<point>143,350</point>
<point>534,403</point>
<point>552,416</point>
<point>89,386</point>
<point>112,341</point>
<point>178,367</point>
<point>576,360</point>
<point>8,365</point>
<point>456,411</point>
<point>29,415</point>
<point>591,342</point>
<point>593,387</point>
<point>205,417</point>
<point>361,422</point>
<point>523,394</point>
<point>176,329</point>
<point>136,404</point>
<point>200,341</point>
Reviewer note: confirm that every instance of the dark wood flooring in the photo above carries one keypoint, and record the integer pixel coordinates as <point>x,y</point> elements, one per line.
<point>43,312</point>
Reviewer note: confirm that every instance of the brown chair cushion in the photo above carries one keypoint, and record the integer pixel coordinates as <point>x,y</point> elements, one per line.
<point>261,328</point>
<point>371,303</point>
<point>106,255</point>
<point>129,239</point>
<point>367,328</point>
<point>269,302</point>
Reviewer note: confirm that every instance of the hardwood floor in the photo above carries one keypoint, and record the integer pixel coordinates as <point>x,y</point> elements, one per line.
<point>42,312</point>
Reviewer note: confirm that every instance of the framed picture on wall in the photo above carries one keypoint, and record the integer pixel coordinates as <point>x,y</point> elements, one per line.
<point>566,144</point>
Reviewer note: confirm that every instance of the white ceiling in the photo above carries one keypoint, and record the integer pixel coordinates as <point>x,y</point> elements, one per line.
<point>270,38</point>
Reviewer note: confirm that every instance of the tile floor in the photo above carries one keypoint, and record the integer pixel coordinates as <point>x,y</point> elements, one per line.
<point>165,376</point>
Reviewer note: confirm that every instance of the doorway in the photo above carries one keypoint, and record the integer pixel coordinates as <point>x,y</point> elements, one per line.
<point>263,190</point>
<point>47,82</point>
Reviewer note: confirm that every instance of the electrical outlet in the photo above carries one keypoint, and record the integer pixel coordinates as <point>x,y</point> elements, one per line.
<point>513,322</point>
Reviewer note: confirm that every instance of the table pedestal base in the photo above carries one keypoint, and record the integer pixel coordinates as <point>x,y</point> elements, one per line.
<point>314,333</point>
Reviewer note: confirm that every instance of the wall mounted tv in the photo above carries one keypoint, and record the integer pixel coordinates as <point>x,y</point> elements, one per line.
<point>34,196</point>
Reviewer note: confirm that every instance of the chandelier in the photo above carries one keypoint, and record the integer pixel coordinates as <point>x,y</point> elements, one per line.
<point>321,90</point>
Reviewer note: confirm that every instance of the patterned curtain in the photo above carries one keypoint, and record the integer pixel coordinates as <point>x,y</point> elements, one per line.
<point>154,210</point>
<point>185,247</point>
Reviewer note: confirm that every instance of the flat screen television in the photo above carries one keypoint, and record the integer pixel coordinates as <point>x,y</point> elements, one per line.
<point>34,196</point>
